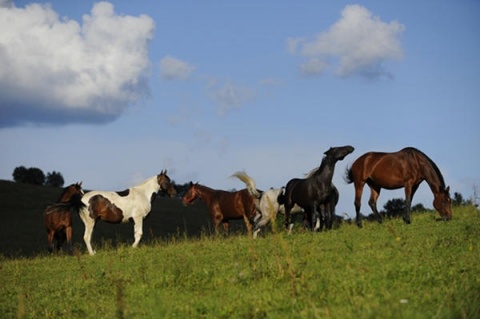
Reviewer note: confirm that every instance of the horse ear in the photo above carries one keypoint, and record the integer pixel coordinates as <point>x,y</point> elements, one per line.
<point>447,189</point>
<point>191,183</point>
<point>80,184</point>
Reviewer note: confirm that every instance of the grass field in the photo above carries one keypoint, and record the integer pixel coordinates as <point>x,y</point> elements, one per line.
<point>428,269</point>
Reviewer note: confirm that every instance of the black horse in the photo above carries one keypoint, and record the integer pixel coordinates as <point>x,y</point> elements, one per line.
<point>316,193</point>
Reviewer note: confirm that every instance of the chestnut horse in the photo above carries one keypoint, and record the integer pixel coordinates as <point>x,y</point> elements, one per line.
<point>132,204</point>
<point>407,168</point>
<point>314,192</point>
<point>223,205</point>
<point>58,217</point>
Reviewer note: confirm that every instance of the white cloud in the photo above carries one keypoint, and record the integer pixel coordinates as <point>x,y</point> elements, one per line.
<point>174,69</point>
<point>359,41</point>
<point>56,71</point>
<point>231,96</point>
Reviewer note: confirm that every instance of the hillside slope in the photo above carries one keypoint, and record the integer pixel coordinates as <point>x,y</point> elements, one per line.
<point>22,232</point>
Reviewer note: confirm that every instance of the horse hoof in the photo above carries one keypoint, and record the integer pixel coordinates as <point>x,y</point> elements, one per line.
<point>359,225</point>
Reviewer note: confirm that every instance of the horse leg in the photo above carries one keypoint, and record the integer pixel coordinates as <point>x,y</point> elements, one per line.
<point>409,191</point>
<point>60,239</point>
<point>138,230</point>
<point>288,224</point>
<point>358,202</point>
<point>225,226</point>
<point>87,236</point>
<point>372,202</point>
<point>50,235</point>
<point>68,232</point>
<point>256,224</point>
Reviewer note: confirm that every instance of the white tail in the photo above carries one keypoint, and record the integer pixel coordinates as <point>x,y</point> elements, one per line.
<point>249,183</point>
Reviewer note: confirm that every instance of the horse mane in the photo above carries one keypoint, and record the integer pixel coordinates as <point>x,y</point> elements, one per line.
<point>65,189</point>
<point>429,160</point>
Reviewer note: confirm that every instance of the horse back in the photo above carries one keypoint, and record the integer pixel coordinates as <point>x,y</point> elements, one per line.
<point>388,170</point>
<point>236,204</point>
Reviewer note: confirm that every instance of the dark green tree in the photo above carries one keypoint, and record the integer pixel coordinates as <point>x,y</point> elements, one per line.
<point>31,175</point>
<point>458,199</point>
<point>418,208</point>
<point>395,207</point>
<point>55,179</point>
<point>20,174</point>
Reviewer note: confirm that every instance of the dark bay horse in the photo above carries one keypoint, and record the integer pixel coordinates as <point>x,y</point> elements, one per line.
<point>132,204</point>
<point>406,168</point>
<point>313,192</point>
<point>222,205</point>
<point>58,217</point>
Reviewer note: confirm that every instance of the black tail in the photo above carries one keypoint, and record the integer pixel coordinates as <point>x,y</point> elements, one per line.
<point>281,197</point>
<point>348,175</point>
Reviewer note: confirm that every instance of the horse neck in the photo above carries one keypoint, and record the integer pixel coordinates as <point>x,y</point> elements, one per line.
<point>65,197</point>
<point>432,176</point>
<point>149,186</point>
<point>326,170</point>
<point>204,193</point>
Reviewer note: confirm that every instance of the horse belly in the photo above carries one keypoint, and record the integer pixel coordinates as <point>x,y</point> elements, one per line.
<point>101,208</point>
<point>388,175</point>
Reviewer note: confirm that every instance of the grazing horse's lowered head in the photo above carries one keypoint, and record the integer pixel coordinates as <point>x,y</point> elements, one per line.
<point>407,169</point>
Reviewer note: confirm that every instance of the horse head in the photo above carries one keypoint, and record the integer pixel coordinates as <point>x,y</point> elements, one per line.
<point>191,195</point>
<point>72,191</point>
<point>443,203</point>
<point>339,153</point>
<point>165,184</point>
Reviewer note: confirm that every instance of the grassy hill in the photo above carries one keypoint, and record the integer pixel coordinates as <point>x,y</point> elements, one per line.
<point>22,232</point>
<point>428,269</point>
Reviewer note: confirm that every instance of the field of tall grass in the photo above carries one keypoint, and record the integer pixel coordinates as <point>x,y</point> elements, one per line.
<point>428,269</point>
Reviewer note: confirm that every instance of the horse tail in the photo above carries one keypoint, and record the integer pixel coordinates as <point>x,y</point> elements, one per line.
<point>281,197</point>
<point>249,183</point>
<point>349,178</point>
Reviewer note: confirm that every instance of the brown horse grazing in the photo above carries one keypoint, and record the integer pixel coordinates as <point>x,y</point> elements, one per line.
<point>314,192</point>
<point>223,205</point>
<point>406,168</point>
<point>58,217</point>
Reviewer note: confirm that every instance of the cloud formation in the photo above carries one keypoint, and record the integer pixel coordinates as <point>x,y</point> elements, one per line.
<point>359,43</point>
<point>229,96</point>
<point>54,70</point>
<point>172,68</point>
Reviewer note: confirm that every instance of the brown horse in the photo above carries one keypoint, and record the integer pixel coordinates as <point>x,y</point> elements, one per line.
<point>406,168</point>
<point>223,205</point>
<point>58,217</point>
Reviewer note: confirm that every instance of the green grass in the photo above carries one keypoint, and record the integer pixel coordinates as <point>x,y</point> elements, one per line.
<point>428,269</point>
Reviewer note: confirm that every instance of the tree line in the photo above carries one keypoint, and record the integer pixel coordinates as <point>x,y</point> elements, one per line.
<point>35,176</point>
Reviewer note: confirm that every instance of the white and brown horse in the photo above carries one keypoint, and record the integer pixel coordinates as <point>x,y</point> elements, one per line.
<point>133,204</point>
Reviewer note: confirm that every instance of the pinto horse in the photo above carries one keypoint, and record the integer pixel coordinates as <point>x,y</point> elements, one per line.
<point>312,193</point>
<point>267,202</point>
<point>133,204</point>
<point>222,205</point>
<point>407,168</point>
<point>58,217</point>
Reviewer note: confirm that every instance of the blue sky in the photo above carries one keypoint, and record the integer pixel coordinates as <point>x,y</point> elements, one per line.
<point>111,93</point>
